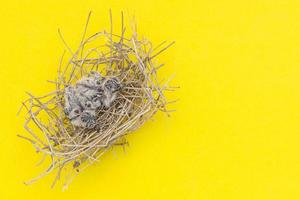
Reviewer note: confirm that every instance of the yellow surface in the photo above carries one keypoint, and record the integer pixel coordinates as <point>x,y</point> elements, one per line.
<point>236,132</point>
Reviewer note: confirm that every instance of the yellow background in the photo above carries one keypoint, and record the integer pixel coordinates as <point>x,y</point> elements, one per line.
<point>236,132</point>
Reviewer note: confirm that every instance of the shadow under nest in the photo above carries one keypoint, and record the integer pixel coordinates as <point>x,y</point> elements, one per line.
<point>140,97</point>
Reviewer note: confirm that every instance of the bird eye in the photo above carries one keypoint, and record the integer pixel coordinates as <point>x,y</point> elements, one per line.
<point>76,111</point>
<point>100,90</point>
<point>88,104</point>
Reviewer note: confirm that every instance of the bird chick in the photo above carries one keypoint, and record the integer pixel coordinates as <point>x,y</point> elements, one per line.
<point>88,119</point>
<point>110,87</point>
<point>73,108</point>
<point>89,94</point>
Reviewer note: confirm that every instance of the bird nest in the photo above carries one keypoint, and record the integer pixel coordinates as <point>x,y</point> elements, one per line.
<point>107,88</point>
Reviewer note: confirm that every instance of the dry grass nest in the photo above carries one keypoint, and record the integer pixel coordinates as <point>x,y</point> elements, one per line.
<point>130,60</point>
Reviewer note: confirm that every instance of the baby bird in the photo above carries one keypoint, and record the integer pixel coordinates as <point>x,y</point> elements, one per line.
<point>110,88</point>
<point>75,111</point>
<point>88,119</point>
<point>89,94</point>
<point>73,108</point>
